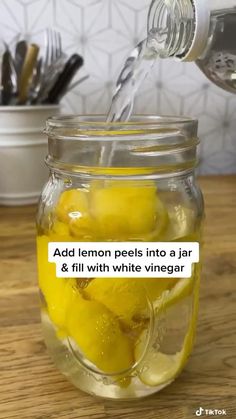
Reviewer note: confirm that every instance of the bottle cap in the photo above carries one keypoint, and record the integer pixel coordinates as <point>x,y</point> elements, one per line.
<point>203,10</point>
<point>202,22</point>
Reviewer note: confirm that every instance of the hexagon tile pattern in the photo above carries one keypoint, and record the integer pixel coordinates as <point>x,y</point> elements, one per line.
<point>104,32</point>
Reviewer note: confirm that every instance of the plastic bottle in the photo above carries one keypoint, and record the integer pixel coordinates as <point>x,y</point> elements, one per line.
<point>203,31</point>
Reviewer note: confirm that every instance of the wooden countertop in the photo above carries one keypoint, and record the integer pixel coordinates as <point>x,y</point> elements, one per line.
<point>30,385</point>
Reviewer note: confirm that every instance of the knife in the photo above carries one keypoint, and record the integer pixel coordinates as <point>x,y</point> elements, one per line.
<point>27,72</point>
<point>59,89</point>
<point>20,53</point>
<point>7,85</point>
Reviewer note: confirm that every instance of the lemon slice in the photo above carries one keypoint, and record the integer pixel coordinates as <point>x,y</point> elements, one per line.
<point>181,222</point>
<point>158,368</point>
<point>182,289</point>
<point>163,368</point>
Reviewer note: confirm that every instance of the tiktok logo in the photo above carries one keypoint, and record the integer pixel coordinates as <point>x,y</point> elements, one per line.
<point>210,412</point>
<point>200,411</point>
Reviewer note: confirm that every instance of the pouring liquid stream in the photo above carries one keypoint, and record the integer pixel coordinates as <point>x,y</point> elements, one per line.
<point>137,67</point>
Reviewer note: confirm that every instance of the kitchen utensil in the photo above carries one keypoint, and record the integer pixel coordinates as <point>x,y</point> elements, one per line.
<point>2,49</point>
<point>36,82</point>
<point>7,85</point>
<point>27,78</point>
<point>77,83</point>
<point>27,71</point>
<point>20,54</point>
<point>74,63</point>
<point>52,64</point>
<point>14,80</point>
<point>53,48</point>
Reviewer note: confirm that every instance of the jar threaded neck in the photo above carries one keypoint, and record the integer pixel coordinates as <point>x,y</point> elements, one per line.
<point>147,145</point>
<point>171,27</point>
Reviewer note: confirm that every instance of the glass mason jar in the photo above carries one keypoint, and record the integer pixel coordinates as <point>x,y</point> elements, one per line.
<point>119,338</point>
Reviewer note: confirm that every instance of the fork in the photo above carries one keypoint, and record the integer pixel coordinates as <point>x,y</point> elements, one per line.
<point>53,48</point>
<point>54,60</point>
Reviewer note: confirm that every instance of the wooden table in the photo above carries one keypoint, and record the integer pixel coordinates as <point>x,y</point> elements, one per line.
<point>30,385</point>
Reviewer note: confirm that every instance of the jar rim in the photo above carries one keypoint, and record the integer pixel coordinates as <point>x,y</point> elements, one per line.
<point>97,126</point>
<point>150,143</point>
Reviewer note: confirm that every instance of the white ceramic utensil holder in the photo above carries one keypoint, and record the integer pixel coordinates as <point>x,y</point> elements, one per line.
<point>23,148</point>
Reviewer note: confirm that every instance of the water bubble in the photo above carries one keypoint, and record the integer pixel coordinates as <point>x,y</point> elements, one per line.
<point>156,345</point>
<point>105,381</point>
<point>145,368</point>
<point>67,183</point>
<point>83,283</point>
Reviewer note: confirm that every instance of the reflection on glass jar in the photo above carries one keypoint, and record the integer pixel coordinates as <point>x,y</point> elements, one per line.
<point>120,337</point>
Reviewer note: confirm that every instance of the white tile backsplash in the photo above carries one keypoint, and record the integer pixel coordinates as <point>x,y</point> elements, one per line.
<point>104,31</point>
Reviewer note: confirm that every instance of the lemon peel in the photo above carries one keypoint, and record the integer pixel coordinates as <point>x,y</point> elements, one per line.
<point>99,337</point>
<point>58,292</point>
